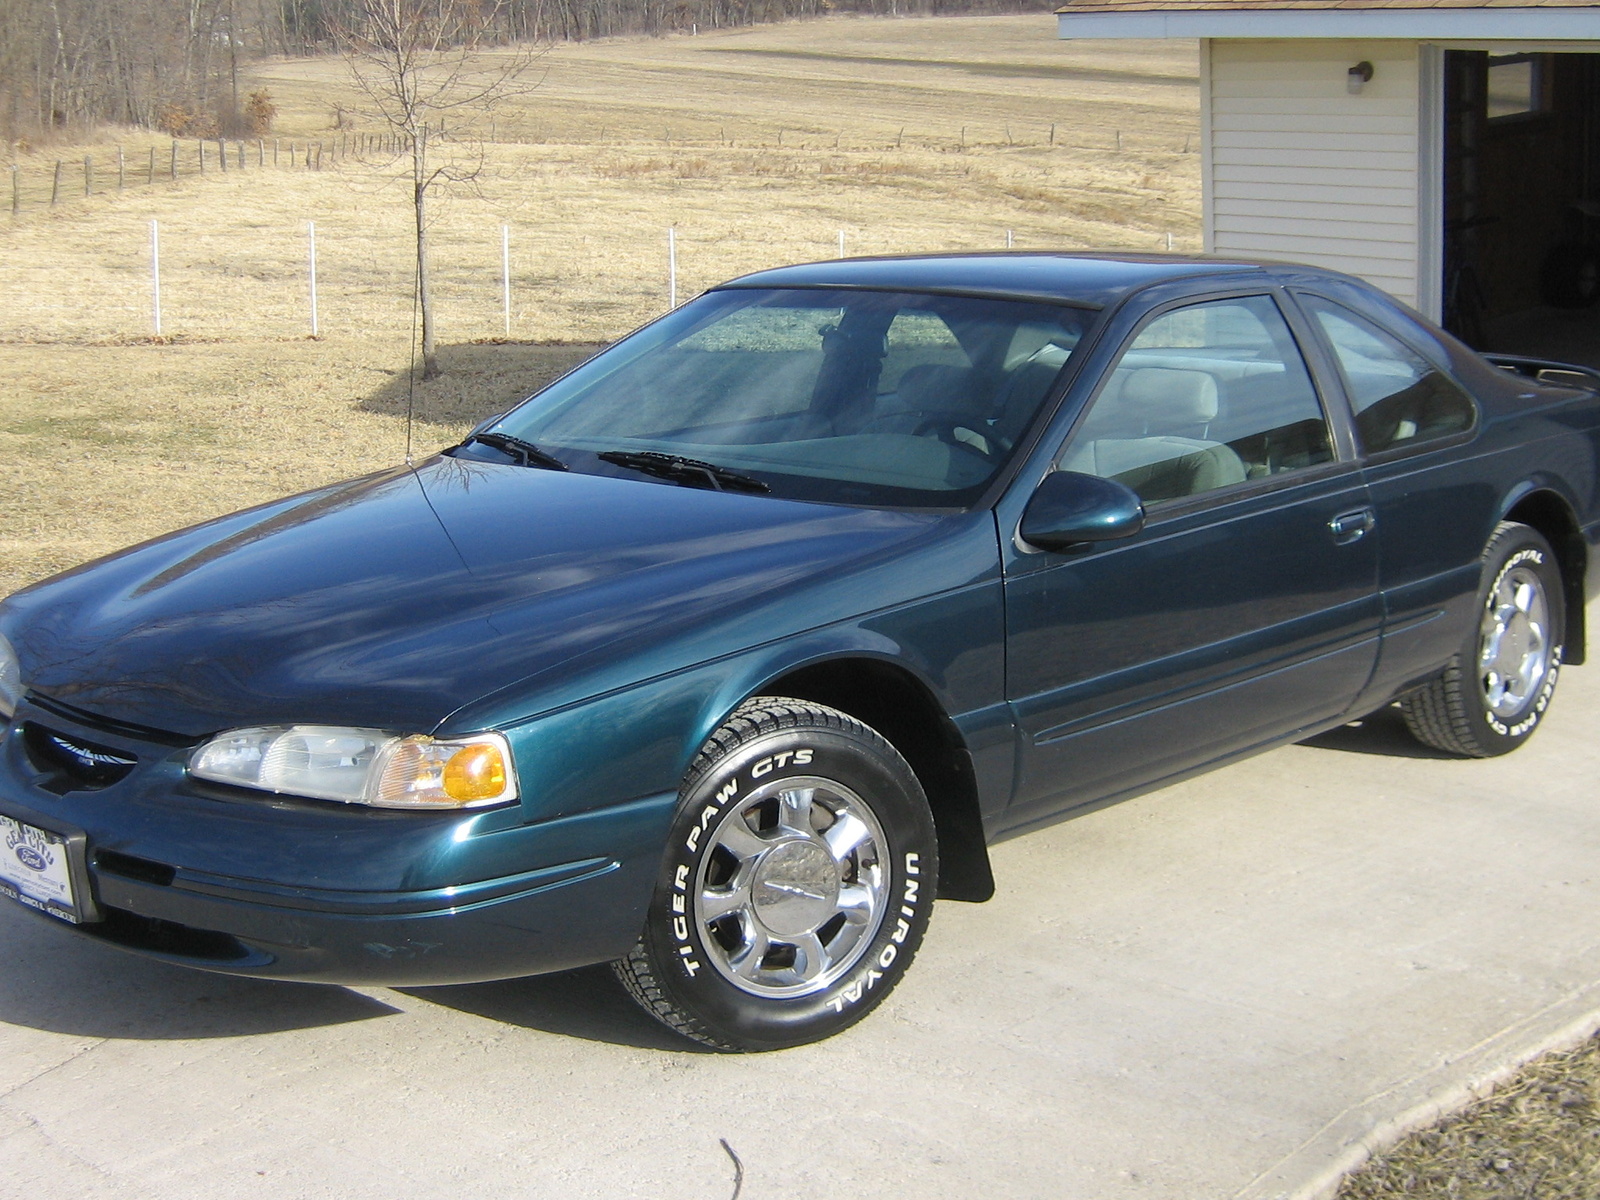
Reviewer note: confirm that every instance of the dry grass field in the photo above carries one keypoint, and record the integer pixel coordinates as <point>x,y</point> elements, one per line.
<point>758,145</point>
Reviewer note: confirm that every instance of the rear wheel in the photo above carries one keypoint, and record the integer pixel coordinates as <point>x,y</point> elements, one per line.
<point>796,886</point>
<point>1494,693</point>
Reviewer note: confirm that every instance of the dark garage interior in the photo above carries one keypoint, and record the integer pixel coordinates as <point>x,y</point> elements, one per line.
<point>1521,255</point>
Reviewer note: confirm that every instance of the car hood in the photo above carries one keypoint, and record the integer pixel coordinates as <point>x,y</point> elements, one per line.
<point>394,600</point>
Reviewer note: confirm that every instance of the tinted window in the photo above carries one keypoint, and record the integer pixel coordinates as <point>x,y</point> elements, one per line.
<point>1400,398</point>
<point>840,395</point>
<point>1205,396</point>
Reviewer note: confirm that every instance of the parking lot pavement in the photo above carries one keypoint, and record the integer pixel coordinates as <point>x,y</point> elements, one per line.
<point>1205,992</point>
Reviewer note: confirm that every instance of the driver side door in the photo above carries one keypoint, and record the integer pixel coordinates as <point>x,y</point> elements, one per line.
<point>1247,608</point>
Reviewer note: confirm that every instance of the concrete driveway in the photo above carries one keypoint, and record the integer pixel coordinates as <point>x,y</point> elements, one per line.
<point>1206,992</point>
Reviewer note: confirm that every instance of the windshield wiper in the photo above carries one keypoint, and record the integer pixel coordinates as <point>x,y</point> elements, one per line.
<point>690,471</point>
<point>526,453</point>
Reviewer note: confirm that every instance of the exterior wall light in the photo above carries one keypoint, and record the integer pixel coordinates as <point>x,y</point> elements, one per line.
<point>1358,76</point>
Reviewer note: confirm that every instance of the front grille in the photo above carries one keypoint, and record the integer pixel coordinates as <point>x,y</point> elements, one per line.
<point>72,762</point>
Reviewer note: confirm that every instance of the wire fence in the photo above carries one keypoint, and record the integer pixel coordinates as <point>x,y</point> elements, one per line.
<point>326,249</point>
<point>42,182</point>
<point>175,281</point>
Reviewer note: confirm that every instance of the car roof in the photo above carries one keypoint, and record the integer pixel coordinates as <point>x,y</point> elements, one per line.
<point>1089,279</point>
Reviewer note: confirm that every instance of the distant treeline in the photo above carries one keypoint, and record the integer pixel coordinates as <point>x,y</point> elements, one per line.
<point>177,64</point>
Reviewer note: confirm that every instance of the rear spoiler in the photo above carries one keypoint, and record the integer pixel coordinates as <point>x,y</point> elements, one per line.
<point>1556,374</point>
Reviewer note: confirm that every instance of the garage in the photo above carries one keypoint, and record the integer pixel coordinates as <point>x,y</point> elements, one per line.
<point>1449,154</point>
<point>1522,202</point>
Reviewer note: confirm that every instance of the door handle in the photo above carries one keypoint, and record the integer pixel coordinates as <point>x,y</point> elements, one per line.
<point>1352,526</point>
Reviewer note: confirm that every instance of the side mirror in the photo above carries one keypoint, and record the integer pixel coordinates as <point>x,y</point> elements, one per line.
<point>1069,509</point>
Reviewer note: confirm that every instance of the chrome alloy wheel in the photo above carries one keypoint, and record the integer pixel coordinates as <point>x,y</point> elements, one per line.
<point>794,887</point>
<point>1514,645</point>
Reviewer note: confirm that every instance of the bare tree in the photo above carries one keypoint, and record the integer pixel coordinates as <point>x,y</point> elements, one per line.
<point>419,62</point>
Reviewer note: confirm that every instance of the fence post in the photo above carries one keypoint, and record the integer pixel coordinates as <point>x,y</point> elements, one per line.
<point>55,184</point>
<point>672,266</point>
<point>274,151</point>
<point>155,275</point>
<point>1052,134</point>
<point>121,166</point>
<point>16,189</point>
<point>311,231</point>
<point>505,274</point>
<point>202,147</point>
<point>261,153</point>
<point>222,154</point>
<point>174,160</point>
<point>241,156</point>
<point>88,175</point>
<point>151,177</point>
<point>1008,239</point>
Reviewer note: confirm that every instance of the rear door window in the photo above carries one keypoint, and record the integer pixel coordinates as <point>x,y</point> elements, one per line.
<point>1401,400</point>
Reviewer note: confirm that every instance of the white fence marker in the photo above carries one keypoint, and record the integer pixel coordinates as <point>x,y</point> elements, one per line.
<point>311,233</point>
<point>1169,241</point>
<point>505,274</point>
<point>672,266</point>
<point>1008,239</point>
<point>155,275</point>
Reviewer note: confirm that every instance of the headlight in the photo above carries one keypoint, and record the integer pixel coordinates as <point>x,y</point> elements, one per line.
<point>10,680</point>
<point>362,766</point>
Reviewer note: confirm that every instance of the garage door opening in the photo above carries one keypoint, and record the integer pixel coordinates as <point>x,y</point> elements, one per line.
<point>1521,240</point>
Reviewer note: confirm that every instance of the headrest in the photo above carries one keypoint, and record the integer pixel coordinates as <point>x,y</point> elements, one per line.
<point>1169,398</point>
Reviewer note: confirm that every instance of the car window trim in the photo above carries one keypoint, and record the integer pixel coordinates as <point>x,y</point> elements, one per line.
<point>1380,457</point>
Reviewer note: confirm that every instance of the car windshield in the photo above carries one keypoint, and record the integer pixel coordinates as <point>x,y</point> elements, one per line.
<point>844,396</point>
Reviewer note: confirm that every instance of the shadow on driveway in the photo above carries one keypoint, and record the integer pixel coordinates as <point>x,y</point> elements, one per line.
<point>588,1003</point>
<point>62,983</point>
<point>1383,732</point>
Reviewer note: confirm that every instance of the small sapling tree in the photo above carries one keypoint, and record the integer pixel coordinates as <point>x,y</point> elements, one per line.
<point>420,63</point>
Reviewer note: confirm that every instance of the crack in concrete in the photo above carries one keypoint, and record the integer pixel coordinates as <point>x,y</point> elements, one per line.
<point>7,1093</point>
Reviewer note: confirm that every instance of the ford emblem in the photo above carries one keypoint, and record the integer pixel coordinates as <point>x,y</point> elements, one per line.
<point>31,858</point>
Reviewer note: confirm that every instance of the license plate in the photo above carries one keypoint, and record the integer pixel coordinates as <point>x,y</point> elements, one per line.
<point>36,869</point>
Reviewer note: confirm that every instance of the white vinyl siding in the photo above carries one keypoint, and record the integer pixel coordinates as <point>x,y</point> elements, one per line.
<point>1301,169</point>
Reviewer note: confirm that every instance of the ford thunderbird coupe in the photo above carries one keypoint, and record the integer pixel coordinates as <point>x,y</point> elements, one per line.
<point>725,655</point>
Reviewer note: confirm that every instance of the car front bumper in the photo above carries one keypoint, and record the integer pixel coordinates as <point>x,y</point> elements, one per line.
<point>273,887</point>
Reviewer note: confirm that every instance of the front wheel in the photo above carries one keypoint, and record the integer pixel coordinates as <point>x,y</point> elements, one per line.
<point>796,886</point>
<point>1494,693</point>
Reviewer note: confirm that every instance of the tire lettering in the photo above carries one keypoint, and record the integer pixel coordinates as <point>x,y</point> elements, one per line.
<point>1542,700</point>
<point>680,874</point>
<point>868,979</point>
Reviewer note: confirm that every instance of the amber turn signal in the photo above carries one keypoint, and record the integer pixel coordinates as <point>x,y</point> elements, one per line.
<point>476,772</point>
